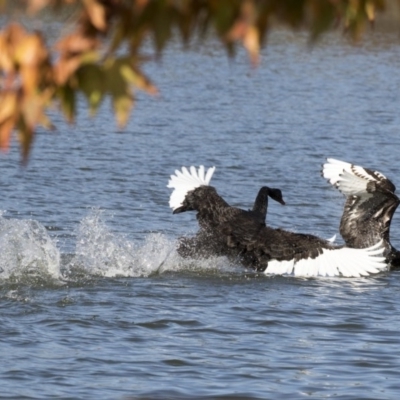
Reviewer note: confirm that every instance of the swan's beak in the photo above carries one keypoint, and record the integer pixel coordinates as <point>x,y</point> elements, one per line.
<point>282,202</point>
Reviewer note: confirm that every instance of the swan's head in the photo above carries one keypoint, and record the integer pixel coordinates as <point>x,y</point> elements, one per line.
<point>276,195</point>
<point>196,199</point>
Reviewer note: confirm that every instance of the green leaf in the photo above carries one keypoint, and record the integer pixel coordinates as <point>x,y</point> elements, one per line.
<point>123,105</point>
<point>91,83</point>
<point>67,98</point>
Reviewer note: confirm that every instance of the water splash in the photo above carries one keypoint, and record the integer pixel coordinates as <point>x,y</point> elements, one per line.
<point>30,256</point>
<point>101,252</point>
<point>27,251</point>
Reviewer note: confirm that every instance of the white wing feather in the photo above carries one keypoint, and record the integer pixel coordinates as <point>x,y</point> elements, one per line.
<point>351,180</point>
<point>186,180</point>
<point>343,261</point>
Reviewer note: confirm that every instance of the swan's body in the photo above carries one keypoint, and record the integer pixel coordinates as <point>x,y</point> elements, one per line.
<point>370,204</point>
<point>213,212</point>
<point>280,252</point>
<point>273,250</point>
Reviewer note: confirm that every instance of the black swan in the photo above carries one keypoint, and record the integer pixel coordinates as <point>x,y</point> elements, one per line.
<point>369,208</point>
<point>274,250</point>
<point>208,240</point>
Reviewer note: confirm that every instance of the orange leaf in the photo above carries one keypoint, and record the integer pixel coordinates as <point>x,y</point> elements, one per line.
<point>64,69</point>
<point>370,10</point>
<point>8,105</point>
<point>251,42</point>
<point>76,43</point>
<point>30,77</point>
<point>6,62</point>
<point>30,51</point>
<point>97,14</point>
<point>36,5</point>
<point>15,33</point>
<point>6,128</point>
<point>32,110</point>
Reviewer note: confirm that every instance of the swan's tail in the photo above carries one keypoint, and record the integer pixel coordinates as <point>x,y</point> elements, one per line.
<point>186,180</point>
<point>344,261</point>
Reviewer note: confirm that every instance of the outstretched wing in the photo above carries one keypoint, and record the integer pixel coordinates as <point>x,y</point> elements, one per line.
<point>186,180</point>
<point>324,261</point>
<point>370,202</point>
<point>280,252</point>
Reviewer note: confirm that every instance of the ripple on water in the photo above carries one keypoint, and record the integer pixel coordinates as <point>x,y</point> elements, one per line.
<point>118,315</point>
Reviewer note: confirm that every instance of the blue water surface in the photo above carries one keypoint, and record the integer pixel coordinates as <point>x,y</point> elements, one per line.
<point>94,300</point>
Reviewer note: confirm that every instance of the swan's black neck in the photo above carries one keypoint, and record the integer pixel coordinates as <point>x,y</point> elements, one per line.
<point>261,202</point>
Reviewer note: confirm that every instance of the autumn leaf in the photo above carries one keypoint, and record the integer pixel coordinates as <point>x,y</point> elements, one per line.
<point>25,137</point>
<point>251,41</point>
<point>108,40</point>
<point>96,14</point>
<point>123,104</point>
<point>67,97</point>
<point>137,78</point>
<point>6,128</point>
<point>8,105</point>
<point>91,83</point>
<point>36,5</point>
<point>29,51</point>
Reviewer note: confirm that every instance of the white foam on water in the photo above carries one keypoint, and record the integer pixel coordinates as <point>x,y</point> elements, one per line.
<point>101,252</point>
<point>30,256</point>
<point>27,251</point>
